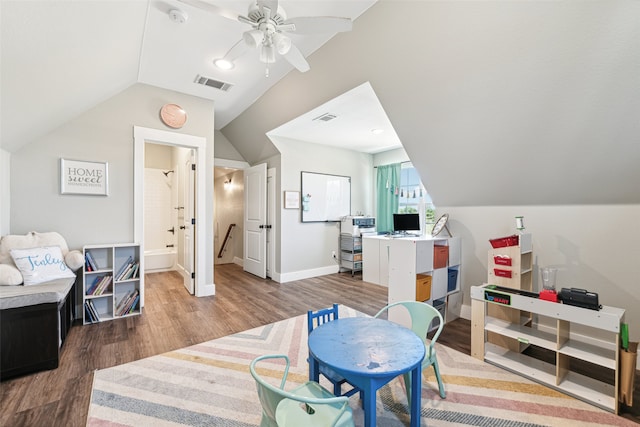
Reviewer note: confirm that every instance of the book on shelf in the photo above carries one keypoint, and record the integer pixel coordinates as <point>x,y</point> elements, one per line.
<point>94,285</point>
<point>93,313</point>
<point>127,303</point>
<point>129,272</point>
<point>123,267</point>
<point>87,313</point>
<point>93,265</point>
<point>132,307</point>
<point>99,285</point>
<point>103,285</point>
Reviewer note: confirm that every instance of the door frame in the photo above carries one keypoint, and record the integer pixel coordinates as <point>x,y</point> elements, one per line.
<point>141,135</point>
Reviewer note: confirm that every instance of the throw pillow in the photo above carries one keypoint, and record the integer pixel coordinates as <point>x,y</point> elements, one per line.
<point>39,265</point>
<point>9,275</point>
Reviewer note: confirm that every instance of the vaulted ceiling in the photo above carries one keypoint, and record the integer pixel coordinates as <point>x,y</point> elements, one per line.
<point>62,57</point>
<point>496,103</point>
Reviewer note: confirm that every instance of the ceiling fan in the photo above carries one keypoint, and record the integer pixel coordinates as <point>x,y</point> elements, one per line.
<point>269,25</point>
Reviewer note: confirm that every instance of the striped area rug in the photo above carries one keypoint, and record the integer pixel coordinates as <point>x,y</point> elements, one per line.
<point>209,385</point>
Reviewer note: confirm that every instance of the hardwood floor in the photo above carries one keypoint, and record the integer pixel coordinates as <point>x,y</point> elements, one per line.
<point>172,319</point>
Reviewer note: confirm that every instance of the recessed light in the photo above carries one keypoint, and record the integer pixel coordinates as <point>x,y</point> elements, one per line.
<point>223,64</point>
<point>377,131</point>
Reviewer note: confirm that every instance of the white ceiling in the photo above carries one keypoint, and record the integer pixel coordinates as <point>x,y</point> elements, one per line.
<point>346,121</point>
<point>60,58</point>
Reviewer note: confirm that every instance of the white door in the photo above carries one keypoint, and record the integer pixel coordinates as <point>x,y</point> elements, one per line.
<point>189,224</point>
<point>255,220</point>
<point>271,220</point>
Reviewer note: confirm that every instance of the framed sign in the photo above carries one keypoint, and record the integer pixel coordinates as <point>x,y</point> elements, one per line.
<point>291,199</point>
<point>80,177</point>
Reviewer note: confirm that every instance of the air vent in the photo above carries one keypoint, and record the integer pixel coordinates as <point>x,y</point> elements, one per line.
<point>216,84</point>
<point>326,117</point>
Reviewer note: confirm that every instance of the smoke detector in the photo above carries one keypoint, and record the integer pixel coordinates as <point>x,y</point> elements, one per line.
<point>178,16</point>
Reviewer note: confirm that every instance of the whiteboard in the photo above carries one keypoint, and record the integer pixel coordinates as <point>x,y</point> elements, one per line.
<point>325,197</point>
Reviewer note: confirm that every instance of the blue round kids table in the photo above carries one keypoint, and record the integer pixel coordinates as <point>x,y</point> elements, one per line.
<point>369,352</point>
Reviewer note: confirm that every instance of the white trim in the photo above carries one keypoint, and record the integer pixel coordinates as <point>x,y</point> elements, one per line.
<point>199,144</point>
<point>233,164</point>
<point>307,274</point>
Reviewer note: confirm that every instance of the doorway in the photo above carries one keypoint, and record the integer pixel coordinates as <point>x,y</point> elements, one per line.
<point>228,214</point>
<point>198,145</point>
<point>169,202</point>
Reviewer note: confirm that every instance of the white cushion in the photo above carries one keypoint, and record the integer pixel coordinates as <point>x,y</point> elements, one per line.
<point>9,275</point>
<point>39,265</point>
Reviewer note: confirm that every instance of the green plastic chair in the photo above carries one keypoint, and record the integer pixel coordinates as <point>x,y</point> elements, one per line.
<point>309,404</point>
<point>422,315</point>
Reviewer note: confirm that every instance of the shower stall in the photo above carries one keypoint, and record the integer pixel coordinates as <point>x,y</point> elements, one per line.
<point>160,219</point>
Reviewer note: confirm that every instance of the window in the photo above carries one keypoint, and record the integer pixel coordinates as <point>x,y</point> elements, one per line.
<point>412,191</point>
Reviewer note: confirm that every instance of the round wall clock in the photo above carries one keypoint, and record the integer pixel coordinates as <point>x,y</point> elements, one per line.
<point>173,115</point>
<point>440,224</point>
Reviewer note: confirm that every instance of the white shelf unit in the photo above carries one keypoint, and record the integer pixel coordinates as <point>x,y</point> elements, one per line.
<point>109,303</point>
<point>567,348</point>
<point>511,267</point>
<point>413,256</point>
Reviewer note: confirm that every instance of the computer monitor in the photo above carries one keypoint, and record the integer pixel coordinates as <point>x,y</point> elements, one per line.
<point>406,222</point>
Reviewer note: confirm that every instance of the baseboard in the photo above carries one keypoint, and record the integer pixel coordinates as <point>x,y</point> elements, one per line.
<point>307,274</point>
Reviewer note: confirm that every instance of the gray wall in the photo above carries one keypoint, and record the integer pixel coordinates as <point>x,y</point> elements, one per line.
<point>306,247</point>
<point>595,247</point>
<point>105,134</point>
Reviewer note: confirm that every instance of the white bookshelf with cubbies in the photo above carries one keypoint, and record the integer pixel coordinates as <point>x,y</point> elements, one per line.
<point>113,282</point>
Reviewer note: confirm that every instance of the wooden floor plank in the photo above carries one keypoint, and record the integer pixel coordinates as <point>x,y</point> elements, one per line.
<point>173,319</point>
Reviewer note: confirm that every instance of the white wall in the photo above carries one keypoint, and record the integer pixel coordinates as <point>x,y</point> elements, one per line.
<point>5,181</point>
<point>594,246</point>
<point>306,247</point>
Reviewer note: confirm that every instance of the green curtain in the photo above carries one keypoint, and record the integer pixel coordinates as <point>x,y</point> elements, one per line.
<point>387,187</point>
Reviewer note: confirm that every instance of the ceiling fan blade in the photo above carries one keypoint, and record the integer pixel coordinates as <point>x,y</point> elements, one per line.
<point>320,24</point>
<point>226,13</point>
<point>295,58</point>
<point>272,5</point>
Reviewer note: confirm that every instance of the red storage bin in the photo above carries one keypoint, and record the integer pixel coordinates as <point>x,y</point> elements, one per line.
<point>502,260</point>
<point>501,242</point>
<point>440,256</point>
<point>502,273</point>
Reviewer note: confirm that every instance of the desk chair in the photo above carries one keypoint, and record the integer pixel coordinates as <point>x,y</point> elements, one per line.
<point>422,315</point>
<point>309,404</point>
<point>316,319</point>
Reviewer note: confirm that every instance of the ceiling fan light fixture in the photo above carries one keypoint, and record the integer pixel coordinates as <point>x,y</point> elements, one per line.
<point>282,43</point>
<point>223,64</point>
<point>253,38</point>
<point>267,54</point>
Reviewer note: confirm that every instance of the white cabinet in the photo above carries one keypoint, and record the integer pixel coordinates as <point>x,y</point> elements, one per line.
<point>113,282</point>
<point>375,249</point>
<point>568,348</point>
